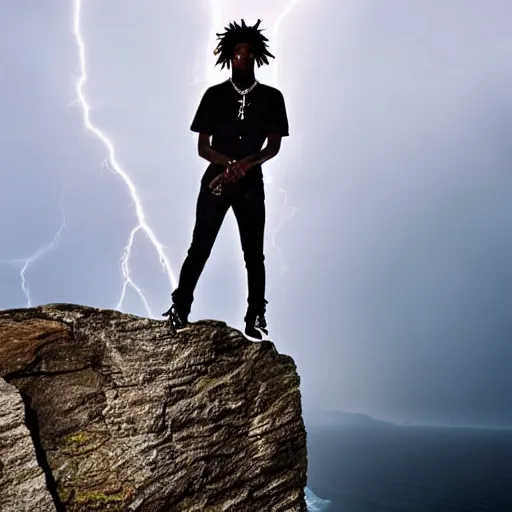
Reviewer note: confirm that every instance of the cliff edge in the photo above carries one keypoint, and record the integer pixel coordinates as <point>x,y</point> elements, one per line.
<point>101,410</point>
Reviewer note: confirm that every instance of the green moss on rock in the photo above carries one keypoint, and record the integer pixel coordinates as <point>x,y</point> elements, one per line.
<point>78,438</point>
<point>101,500</point>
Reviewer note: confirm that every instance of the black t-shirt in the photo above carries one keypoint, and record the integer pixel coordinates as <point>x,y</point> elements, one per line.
<point>217,115</point>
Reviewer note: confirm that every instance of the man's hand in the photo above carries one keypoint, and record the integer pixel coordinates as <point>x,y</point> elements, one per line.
<point>224,177</point>
<point>240,168</point>
<point>233,172</point>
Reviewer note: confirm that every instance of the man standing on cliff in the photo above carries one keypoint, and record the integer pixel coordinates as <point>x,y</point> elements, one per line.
<point>239,114</point>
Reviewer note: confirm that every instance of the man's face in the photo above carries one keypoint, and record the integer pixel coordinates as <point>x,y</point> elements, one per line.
<point>243,57</point>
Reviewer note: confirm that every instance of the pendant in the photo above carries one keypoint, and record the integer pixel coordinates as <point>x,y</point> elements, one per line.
<point>242,107</point>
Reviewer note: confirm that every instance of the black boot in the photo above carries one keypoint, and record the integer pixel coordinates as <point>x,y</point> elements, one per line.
<point>178,316</point>
<point>255,321</point>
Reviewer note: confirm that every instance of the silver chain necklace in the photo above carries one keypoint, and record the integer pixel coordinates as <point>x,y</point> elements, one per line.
<point>243,93</point>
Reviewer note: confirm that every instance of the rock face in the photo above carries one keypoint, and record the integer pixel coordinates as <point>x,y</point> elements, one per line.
<point>23,485</point>
<point>126,416</point>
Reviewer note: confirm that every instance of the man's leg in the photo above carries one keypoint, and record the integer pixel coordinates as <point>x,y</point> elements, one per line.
<point>249,209</point>
<point>210,213</point>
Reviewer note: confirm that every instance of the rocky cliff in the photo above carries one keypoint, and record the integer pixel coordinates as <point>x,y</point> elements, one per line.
<point>101,410</point>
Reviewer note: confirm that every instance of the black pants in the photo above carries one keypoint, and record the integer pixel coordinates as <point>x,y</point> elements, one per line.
<point>248,205</point>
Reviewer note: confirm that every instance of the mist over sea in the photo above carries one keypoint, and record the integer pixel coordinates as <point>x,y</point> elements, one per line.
<point>410,469</point>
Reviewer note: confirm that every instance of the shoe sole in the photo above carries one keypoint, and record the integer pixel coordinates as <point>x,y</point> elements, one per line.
<point>177,329</point>
<point>262,332</point>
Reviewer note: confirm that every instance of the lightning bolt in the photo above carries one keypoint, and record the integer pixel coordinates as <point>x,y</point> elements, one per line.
<point>203,50</point>
<point>113,165</point>
<point>290,209</point>
<point>291,212</point>
<point>26,262</point>
<point>276,26</point>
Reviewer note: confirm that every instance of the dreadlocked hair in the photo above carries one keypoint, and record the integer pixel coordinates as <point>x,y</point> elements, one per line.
<point>241,34</point>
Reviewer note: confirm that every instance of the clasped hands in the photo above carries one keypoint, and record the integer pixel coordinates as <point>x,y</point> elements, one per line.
<point>233,172</point>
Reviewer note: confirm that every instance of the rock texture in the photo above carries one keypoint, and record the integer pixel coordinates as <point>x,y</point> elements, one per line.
<point>126,416</point>
<point>23,485</point>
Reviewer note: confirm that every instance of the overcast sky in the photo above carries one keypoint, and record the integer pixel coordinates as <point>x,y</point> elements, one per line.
<point>389,219</point>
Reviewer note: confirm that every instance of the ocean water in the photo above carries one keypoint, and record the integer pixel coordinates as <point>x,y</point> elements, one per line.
<point>410,469</point>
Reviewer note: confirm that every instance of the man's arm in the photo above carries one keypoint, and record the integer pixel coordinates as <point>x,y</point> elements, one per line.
<point>241,167</point>
<point>206,151</point>
<point>269,151</point>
